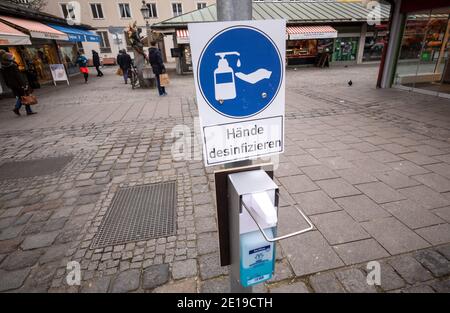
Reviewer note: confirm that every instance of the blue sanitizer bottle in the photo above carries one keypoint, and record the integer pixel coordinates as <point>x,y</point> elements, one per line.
<point>257,255</point>
<point>257,258</point>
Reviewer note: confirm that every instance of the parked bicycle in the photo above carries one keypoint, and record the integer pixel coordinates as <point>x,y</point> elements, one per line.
<point>134,77</point>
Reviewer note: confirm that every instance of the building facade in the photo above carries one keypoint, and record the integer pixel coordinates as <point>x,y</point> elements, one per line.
<point>315,30</point>
<point>112,17</point>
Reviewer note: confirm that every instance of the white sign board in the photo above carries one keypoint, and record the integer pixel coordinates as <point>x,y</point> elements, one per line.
<point>239,73</point>
<point>58,73</point>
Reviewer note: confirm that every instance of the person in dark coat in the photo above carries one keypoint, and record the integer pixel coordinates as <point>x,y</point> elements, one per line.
<point>14,80</point>
<point>156,61</point>
<point>96,62</point>
<point>124,61</point>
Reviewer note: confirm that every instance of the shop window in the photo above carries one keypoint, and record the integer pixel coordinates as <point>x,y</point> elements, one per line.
<point>345,49</point>
<point>105,47</point>
<point>424,53</point>
<point>38,58</point>
<point>97,11</point>
<point>301,48</point>
<point>125,11</point>
<point>68,11</point>
<point>80,47</point>
<point>152,10</point>
<point>177,9</point>
<point>201,5</point>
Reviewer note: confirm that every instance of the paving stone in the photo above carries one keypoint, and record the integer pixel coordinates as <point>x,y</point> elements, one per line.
<point>320,256</point>
<point>297,287</point>
<point>408,168</point>
<point>444,250</point>
<point>394,236</point>
<point>418,289</point>
<point>362,208</point>
<point>21,259</point>
<point>411,214</point>
<point>410,269</point>
<point>54,253</point>
<point>304,160</point>
<point>360,251</point>
<point>204,210</point>
<point>426,197</point>
<point>298,183</point>
<point>443,213</point>
<point>380,193</point>
<point>40,278</point>
<point>216,285</point>
<point>183,269</point>
<point>356,176</point>
<point>282,271</point>
<point>14,279</point>
<point>325,283</point>
<point>336,163</point>
<point>351,155</point>
<point>315,202</point>
<point>12,212</point>
<point>396,179</point>
<point>207,243</point>
<point>319,172</point>
<point>354,280</point>
<point>184,286</point>
<point>205,224</point>
<point>372,166</point>
<point>390,280</point>
<point>419,158</point>
<point>97,285</point>
<point>337,188</point>
<point>39,240</point>
<point>155,276</point>
<point>435,235</point>
<point>441,286</point>
<point>434,262</point>
<point>126,281</point>
<point>395,148</point>
<point>210,266</point>
<point>11,232</point>
<point>10,245</point>
<point>440,168</point>
<point>434,181</point>
<point>287,169</point>
<point>338,227</point>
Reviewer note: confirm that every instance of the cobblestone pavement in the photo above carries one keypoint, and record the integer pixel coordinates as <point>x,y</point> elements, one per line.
<point>371,168</point>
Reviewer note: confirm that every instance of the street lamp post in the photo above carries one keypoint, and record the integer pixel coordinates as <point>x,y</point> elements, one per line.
<point>145,10</point>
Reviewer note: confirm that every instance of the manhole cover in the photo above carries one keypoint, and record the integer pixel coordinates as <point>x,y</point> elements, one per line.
<point>31,168</point>
<point>139,213</point>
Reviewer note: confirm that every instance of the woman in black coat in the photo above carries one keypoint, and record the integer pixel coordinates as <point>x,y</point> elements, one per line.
<point>14,80</point>
<point>96,61</point>
<point>156,61</point>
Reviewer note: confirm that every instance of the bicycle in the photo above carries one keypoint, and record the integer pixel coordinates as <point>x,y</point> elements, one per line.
<point>134,79</point>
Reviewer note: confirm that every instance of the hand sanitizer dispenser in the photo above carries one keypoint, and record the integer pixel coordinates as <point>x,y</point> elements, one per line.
<point>252,224</point>
<point>224,84</point>
<point>252,256</point>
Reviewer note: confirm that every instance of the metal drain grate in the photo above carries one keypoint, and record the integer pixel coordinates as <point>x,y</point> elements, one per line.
<point>31,168</point>
<point>139,213</point>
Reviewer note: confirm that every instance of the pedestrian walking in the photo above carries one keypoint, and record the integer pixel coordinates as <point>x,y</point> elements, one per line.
<point>96,62</point>
<point>124,61</point>
<point>82,63</point>
<point>156,61</point>
<point>14,80</point>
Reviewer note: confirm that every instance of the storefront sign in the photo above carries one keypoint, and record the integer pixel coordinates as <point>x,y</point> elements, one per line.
<point>240,85</point>
<point>44,35</point>
<point>58,73</point>
<point>318,35</point>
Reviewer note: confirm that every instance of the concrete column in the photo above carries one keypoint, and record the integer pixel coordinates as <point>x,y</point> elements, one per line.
<point>394,44</point>
<point>362,41</point>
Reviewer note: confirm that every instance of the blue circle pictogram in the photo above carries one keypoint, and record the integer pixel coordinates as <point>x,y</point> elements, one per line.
<point>240,72</point>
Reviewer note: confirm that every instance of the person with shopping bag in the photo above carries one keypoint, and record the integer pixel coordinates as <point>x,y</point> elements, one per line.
<point>82,63</point>
<point>16,82</point>
<point>156,61</point>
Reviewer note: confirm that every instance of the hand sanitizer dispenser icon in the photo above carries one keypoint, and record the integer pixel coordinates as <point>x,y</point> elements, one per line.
<point>224,84</point>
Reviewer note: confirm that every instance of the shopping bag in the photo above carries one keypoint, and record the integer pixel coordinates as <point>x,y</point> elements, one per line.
<point>84,70</point>
<point>28,100</point>
<point>119,72</point>
<point>164,79</point>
